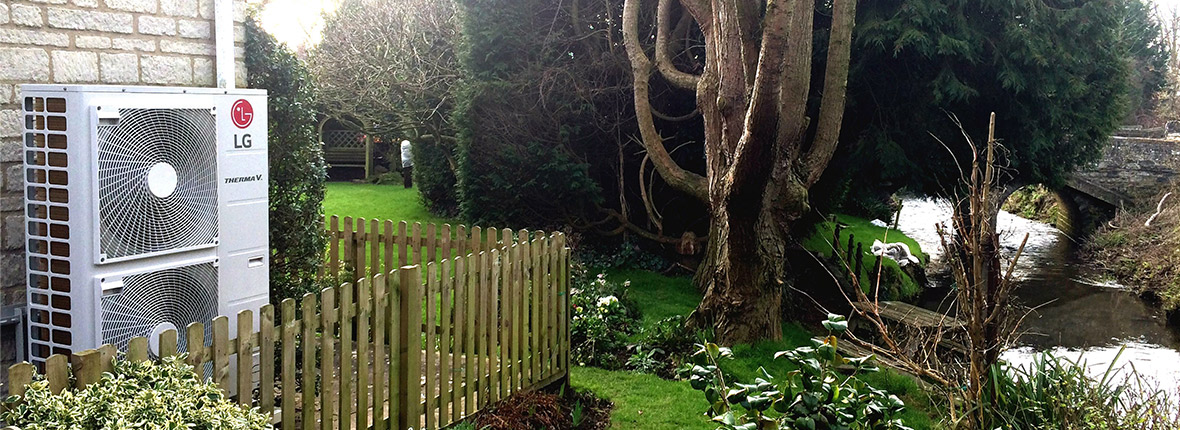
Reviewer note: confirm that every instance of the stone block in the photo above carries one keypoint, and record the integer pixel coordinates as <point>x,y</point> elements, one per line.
<point>76,19</point>
<point>27,15</point>
<point>195,29</point>
<point>119,68</point>
<point>143,45</point>
<point>92,42</point>
<point>187,8</point>
<point>11,149</point>
<point>74,66</point>
<point>11,203</point>
<point>157,26</point>
<point>3,13</point>
<point>166,70</point>
<point>141,6</point>
<point>14,178</point>
<point>17,36</point>
<point>14,232</point>
<point>240,74</point>
<point>13,271</point>
<point>239,33</point>
<point>85,3</point>
<point>24,65</point>
<point>204,72</point>
<point>191,48</point>
<point>6,94</point>
<point>205,8</point>
<point>10,123</point>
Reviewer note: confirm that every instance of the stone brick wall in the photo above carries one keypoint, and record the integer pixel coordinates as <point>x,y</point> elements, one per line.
<point>124,42</point>
<point>1138,167</point>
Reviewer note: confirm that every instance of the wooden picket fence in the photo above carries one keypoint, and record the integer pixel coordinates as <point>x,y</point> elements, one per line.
<point>420,346</point>
<point>361,247</point>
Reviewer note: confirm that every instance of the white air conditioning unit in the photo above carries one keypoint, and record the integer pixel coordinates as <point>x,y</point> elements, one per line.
<point>146,209</point>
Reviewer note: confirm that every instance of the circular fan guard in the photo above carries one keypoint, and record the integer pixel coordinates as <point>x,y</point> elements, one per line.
<point>134,220</point>
<point>178,296</point>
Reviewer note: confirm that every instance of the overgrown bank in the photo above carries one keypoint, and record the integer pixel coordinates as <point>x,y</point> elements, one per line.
<point>1141,248</point>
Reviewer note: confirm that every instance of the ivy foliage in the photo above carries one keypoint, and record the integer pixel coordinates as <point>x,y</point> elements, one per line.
<point>146,395</point>
<point>296,162</point>
<point>1055,73</point>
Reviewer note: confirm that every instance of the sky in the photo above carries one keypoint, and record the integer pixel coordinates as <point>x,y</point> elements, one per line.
<point>298,22</point>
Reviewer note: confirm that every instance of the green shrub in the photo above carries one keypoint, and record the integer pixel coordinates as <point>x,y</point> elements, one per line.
<point>297,170</point>
<point>168,395</point>
<point>813,396</point>
<point>662,347</point>
<point>603,318</point>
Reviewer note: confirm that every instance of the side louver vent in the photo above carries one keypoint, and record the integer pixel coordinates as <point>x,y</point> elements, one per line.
<point>157,178</point>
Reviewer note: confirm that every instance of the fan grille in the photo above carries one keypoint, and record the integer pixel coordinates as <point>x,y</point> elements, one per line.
<point>178,296</point>
<point>135,217</point>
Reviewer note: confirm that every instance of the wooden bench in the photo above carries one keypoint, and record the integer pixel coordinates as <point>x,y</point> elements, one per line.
<point>345,156</point>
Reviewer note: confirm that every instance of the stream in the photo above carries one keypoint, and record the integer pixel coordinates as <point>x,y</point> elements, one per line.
<point>1074,312</point>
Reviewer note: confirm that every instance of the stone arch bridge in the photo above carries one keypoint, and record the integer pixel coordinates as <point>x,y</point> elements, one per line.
<point>1132,172</point>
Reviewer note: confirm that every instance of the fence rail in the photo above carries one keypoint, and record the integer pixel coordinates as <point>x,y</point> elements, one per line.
<point>421,346</point>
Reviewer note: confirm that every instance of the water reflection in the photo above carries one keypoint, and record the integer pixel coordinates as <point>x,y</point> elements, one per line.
<point>1073,312</point>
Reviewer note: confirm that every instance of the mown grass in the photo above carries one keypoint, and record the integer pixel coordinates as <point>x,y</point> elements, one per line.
<point>659,297</point>
<point>378,201</point>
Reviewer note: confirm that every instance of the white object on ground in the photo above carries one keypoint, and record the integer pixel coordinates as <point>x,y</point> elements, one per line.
<point>896,251</point>
<point>878,223</point>
<point>1158,208</point>
<point>407,157</point>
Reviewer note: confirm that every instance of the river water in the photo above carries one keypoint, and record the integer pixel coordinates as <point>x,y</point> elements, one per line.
<point>1074,313</point>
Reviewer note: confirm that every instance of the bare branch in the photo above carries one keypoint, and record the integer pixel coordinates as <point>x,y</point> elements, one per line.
<point>664,63</point>
<point>641,69</point>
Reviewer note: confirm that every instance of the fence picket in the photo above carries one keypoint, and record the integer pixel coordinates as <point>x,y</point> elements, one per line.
<point>245,356</point>
<point>56,372</point>
<point>290,326</point>
<point>334,247</point>
<point>446,300</point>
<point>137,349</point>
<point>349,245</point>
<point>221,353</point>
<point>374,246</point>
<point>310,325</point>
<point>416,243</point>
<point>431,344</point>
<point>393,332</point>
<point>363,316</point>
<point>390,248</point>
<point>345,316</point>
<point>469,312</point>
<point>87,367</point>
<point>327,357</point>
<point>535,298</point>
<point>499,334</point>
<point>266,360</point>
<point>167,343</point>
<point>458,362</point>
<point>431,252</point>
<point>378,309</point>
<point>194,336</point>
<point>20,375</point>
<point>411,322</point>
<point>402,245</point>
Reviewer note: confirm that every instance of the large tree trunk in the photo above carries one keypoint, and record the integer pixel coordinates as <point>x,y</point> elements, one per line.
<point>760,159</point>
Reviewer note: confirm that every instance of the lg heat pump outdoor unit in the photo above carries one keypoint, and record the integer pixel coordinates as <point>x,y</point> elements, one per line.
<point>146,210</point>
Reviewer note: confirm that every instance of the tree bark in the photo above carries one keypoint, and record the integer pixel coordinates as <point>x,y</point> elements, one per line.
<point>752,96</point>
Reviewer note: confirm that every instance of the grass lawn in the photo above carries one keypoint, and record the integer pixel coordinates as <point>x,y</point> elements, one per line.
<point>647,402</point>
<point>641,401</point>
<point>382,202</point>
<point>864,232</point>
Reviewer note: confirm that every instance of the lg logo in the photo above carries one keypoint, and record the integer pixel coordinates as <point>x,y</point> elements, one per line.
<point>242,113</point>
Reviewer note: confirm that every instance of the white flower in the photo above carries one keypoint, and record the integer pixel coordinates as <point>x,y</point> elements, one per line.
<point>607,301</point>
<point>627,283</point>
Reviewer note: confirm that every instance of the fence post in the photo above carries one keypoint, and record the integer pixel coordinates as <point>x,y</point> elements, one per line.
<point>87,367</point>
<point>334,248</point>
<point>411,350</point>
<point>859,260</point>
<point>20,375</point>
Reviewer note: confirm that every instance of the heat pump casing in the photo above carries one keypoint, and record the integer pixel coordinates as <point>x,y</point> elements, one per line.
<point>115,236</point>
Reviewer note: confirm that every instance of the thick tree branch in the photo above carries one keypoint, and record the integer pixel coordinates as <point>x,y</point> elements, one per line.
<point>755,152</point>
<point>701,11</point>
<point>796,80</point>
<point>831,109</point>
<point>664,63</point>
<point>641,69</point>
